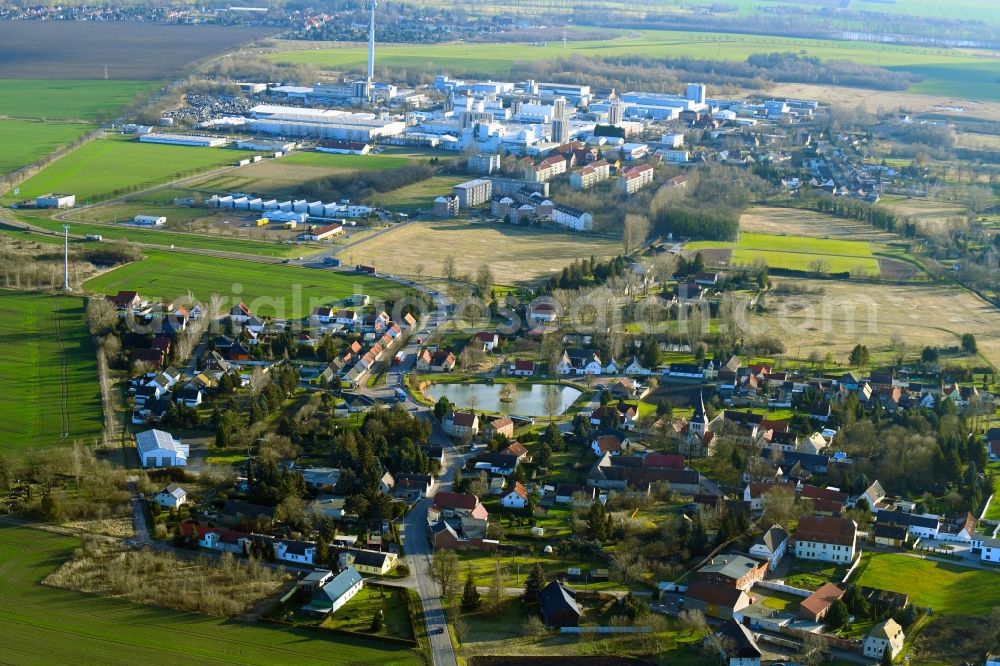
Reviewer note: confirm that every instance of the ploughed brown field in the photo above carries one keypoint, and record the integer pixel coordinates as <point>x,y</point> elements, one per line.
<point>137,51</point>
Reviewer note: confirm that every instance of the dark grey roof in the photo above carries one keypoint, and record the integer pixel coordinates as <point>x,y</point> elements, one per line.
<point>555,597</point>
<point>741,640</point>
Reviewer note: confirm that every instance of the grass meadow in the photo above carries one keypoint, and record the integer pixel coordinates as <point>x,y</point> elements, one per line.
<point>50,372</point>
<point>106,166</point>
<point>946,71</point>
<point>947,588</point>
<point>797,252</point>
<point>269,289</point>
<point>418,195</point>
<point>67,100</point>
<point>514,254</point>
<point>178,239</point>
<point>46,625</point>
<point>26,141</point>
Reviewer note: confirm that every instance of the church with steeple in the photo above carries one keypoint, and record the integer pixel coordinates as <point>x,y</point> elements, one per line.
<point>698,439</point>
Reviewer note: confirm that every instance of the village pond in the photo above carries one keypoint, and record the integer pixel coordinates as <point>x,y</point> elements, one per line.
<point>509,398</point>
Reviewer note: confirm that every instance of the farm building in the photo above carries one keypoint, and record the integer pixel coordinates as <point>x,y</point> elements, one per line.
<point>157,448</point>
<point>322,233</point>
<point>185,140</point>
<point>56,201</point>
<point>149,220</point>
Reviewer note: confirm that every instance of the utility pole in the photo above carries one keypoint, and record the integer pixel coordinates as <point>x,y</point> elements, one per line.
<point>66,258</point>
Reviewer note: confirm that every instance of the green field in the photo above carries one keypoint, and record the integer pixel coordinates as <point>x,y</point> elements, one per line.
<point>269,289</point>
<point>178,239</point>
<point>67,100</point>
<point>26,141</point>
<point>50,372</point>
<point>797,252</point>
<point>948,71</point>
<point>947,588</point>
<point>346,162</point>
<point>418,195</point>
<point>45,625</point>
<point>106,166</point>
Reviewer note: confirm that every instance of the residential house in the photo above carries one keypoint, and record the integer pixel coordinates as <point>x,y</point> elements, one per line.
<point>889,534</point>
<point>441,361</point>
<point>444,537</point>
<point>771,545</point>
<point>157,448</point>
<point>919,525</point>
<point>606,444</point>
<point>239,313</point>
<point>337,592</point>
<point>826,539</point>
<point>290,550</point>
<point>621,415</point>
<point>321,477</point>
<point>488,341</point>
<point>814,607</point>
<point>739,644</point>
<point>732,570</point>
<point>558,606</point>
<point>873,496</point>
<point>314,580</point>
<point>719,601</point>
<point>501,426</point>
<point>515,498</point>
<point>634,473</point>
<point>190,395</point>
<point>411,487</point>
<point>171,497</point>
<point>461,424</point>
<point>826,501</point>
<point>371,562</point>
<point>989,548</point>
<point>543,312</point>
<point>328,506</point>
<point>579,362</point>
<point>958,527</point>
<point>884,636</point>
<point>566,493</point>
<point>522,368</point>
<point>128,301</point>
<point>634,179</point>
<point>458,505</point>
<point>213,538</point>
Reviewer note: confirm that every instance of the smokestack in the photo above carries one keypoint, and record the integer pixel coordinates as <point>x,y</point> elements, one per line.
<point>371,46</point>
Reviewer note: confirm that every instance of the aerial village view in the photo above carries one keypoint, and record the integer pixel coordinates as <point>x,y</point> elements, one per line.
<point>502,333</point>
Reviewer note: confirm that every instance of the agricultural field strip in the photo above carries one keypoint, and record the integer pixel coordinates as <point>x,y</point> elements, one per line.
<point>62,100</point>
<point>105,166</point>
<point>80,627</point>
<point>271,289</point>
<point>50,394</point>
<point>26,141</point>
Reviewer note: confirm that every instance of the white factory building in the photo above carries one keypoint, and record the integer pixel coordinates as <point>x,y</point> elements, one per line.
<point>55,201</point>
<point>184,139</point>
<point>322,123</point>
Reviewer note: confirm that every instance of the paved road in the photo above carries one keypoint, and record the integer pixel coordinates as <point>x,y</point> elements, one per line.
<point>139,523</point>
<point>416,540</point>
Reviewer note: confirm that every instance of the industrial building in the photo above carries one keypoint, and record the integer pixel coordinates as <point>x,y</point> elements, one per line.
<point>473,193</point>
<point>266,146</point>
<point>55,201</point>
<point>322,123</point>
<point>185,140</point>
<point>149,220</point>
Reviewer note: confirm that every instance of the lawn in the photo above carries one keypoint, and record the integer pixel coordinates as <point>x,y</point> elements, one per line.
<point>525,254</point>
<point>797,252</point>
<point>45,625</point>
<point>346,162</point>
<point>117,165</point>
<point>946,71</point>
<point>993,512</point>
<point>50,393</point>
<point>811,575</point>
<point>178,239</point>
<point>269,289</point>
<point>67,100</point>
<point>26,141</point>
<point>417,195</point>
<point>947,588</point>
<point>356,615</point>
